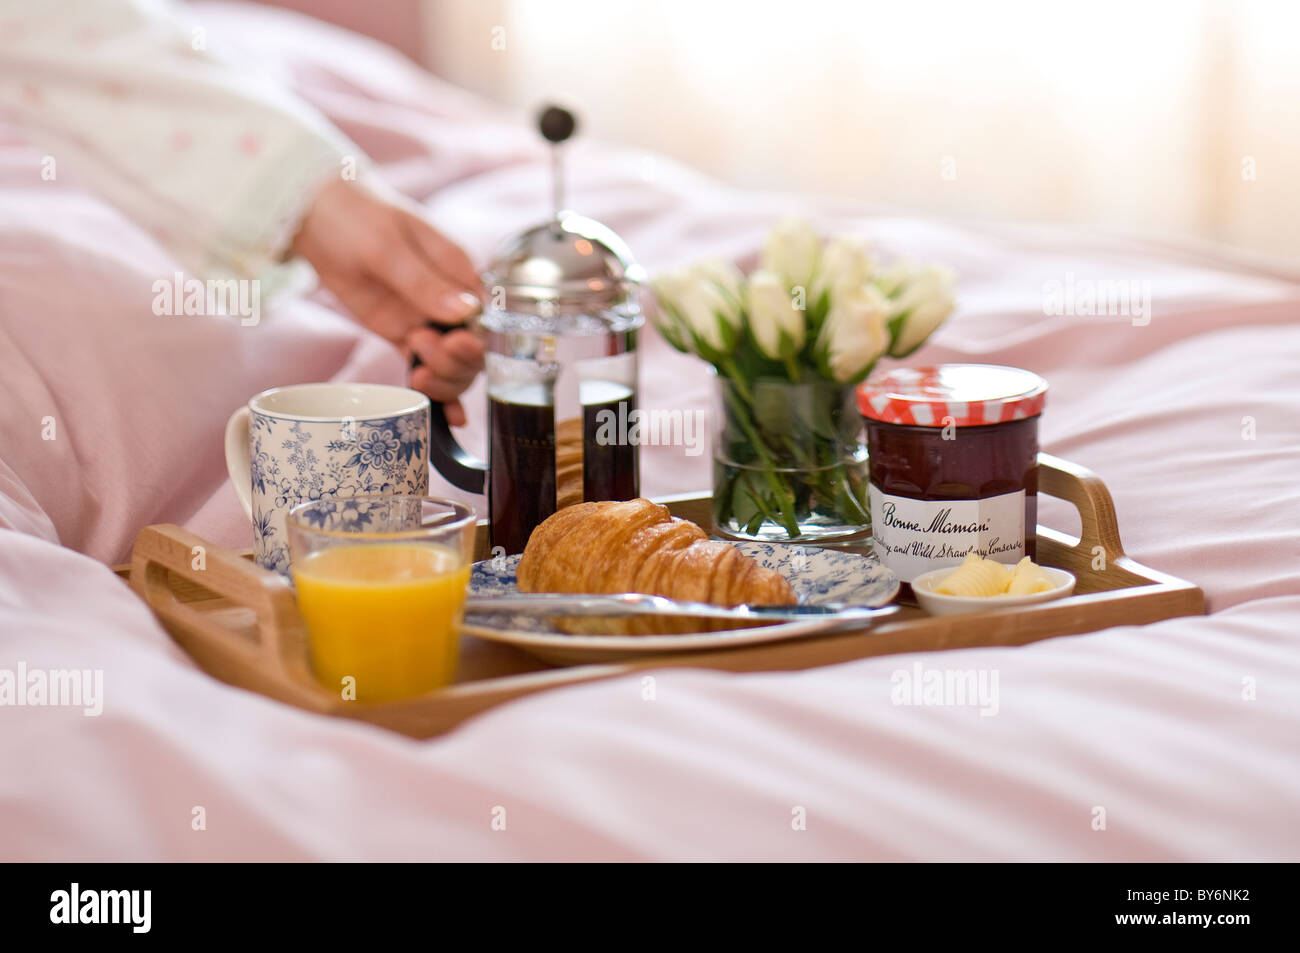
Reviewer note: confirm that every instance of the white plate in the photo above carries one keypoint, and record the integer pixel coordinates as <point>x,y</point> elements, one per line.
<point>817,576</point>
<point>938,603</point>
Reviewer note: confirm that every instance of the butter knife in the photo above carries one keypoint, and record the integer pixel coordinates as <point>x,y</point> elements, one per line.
<point>635,603</point>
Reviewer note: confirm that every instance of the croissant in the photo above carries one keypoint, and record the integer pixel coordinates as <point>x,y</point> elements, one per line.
<point>636,546</point>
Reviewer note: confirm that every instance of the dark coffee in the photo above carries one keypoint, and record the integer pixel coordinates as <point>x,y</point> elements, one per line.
<point>609,459</point>
<point>521,482</point>
<point>523,476</point>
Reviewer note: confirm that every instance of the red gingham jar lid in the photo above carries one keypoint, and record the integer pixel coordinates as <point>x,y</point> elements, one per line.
<point>973,395</point>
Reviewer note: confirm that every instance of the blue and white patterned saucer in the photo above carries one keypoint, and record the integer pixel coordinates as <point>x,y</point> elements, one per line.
<point>817,576</point>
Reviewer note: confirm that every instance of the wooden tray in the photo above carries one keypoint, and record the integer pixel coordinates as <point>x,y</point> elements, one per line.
<point>240,623</point>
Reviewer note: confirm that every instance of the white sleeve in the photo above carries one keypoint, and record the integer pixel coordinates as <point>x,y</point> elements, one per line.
<point>123,95</point>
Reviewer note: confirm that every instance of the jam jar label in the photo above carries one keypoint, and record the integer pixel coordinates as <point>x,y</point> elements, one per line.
<point>915,536</point>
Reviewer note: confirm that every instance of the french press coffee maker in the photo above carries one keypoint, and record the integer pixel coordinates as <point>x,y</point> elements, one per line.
<point>560,325</point>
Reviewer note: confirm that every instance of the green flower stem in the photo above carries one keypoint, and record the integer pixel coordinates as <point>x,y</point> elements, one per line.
<point>725,500</point>
<point>783,498</point>
<point>821,474</point>
<point>854,508</point>
<point>757,499</point>
<point>732,373</point>
<point>793,448</point>
<point>831,481</point>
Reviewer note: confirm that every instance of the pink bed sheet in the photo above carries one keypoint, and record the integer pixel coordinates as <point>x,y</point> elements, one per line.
<point>1184,732</point>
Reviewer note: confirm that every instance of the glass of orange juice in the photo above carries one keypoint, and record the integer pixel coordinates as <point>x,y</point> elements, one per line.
<point>381,584</point>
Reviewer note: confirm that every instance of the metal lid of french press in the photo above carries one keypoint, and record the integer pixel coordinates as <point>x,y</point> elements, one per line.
<point>568,265</point>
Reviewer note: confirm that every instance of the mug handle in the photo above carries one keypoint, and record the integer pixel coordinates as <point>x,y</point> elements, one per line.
<point>238,464</point>
<point>448,457</point>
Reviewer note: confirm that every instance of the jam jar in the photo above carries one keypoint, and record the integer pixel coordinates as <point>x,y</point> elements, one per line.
<point>953,457</point>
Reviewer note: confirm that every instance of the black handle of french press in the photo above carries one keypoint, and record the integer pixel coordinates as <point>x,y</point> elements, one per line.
<point>457,466</point>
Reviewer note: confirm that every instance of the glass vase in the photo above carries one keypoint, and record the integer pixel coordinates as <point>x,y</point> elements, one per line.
<point>789,462</point>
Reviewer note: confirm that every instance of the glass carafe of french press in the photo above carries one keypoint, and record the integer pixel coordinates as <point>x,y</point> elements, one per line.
<point>560,324</point>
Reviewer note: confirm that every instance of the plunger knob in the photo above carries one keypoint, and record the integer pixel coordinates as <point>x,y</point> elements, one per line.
<point>556,124</point>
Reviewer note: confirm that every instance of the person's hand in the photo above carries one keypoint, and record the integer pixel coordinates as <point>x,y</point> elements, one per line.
<point>395,272</point>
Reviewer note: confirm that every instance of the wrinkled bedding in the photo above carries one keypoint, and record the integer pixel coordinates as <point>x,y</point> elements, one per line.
<point>1183,732</point>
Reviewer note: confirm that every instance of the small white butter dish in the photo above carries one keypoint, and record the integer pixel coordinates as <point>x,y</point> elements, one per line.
<point>937,603</point>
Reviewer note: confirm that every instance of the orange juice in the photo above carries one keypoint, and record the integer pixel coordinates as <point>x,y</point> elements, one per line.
<point>387,614</point>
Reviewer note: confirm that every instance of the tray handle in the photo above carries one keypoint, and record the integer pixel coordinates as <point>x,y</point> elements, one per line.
<point>1080,486</point>
<point>279,645</point>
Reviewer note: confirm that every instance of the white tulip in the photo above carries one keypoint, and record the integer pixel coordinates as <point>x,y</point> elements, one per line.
<point>773,316</point>
<point>854,335</point>
<point>922,303</point>
<point>845,264</point>
<point>666,288</point>
<point>699,306</point>
<point>792,251</point>
<point>727,277</point>
<point>891,280</point>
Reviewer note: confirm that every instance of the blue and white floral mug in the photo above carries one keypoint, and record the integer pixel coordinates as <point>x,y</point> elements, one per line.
<point>310,442</point>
